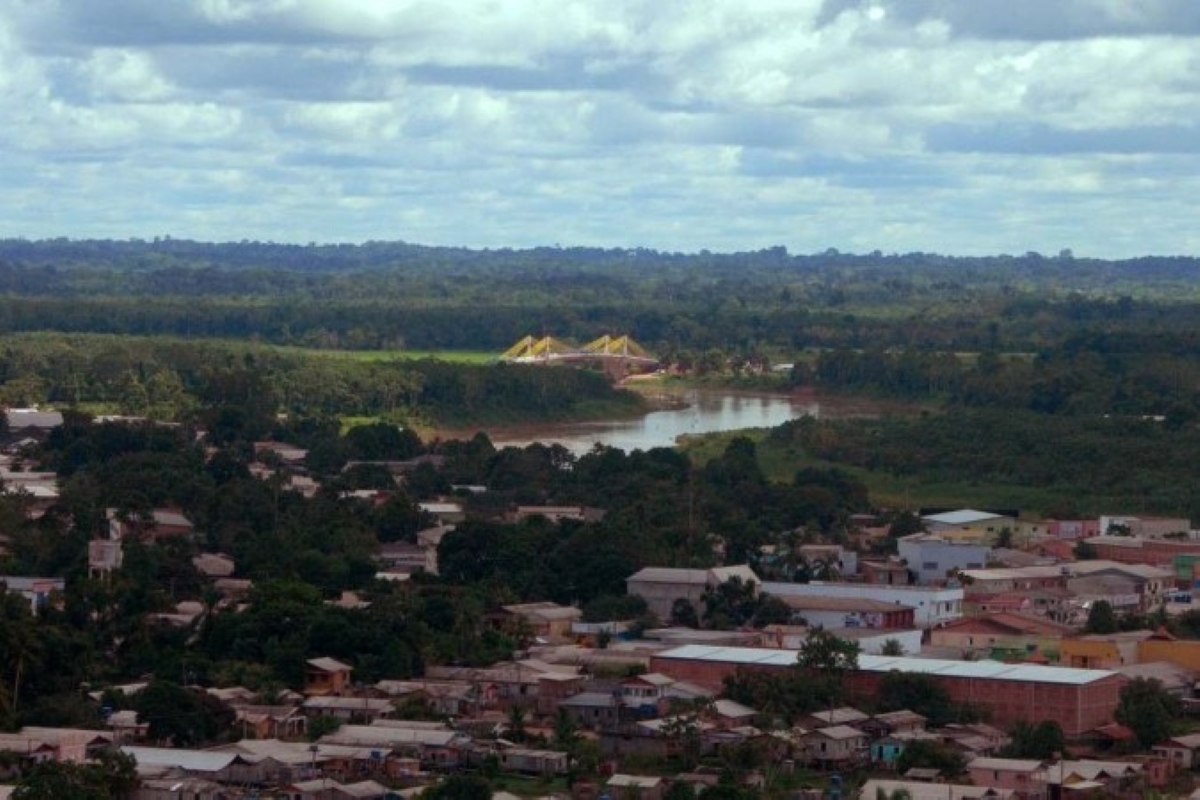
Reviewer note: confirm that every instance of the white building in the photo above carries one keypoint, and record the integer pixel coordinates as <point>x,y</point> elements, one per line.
<point>933,605</point>
<point>933,558</point>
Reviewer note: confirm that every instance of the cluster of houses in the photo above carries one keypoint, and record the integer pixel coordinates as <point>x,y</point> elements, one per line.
<point>986,604</point>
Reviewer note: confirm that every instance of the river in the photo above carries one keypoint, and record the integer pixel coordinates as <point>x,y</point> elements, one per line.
<point>691,411</point>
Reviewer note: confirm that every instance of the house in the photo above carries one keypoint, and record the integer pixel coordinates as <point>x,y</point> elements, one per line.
<point>893,722</point>
<point>594,710</point>
<point>69,744</point>
<point>841,560</point>
<point>845,715</point>
<point>646,694</point>
<point>888,749</point>
<point>1007,579</point>
<point>432,743</point>
<point>932,605</point>
<point>357,709</point>
<point>557,513</point>
<point>975,739</point>
<point>1182,751</point>
<point>886,572</point>
<point>660,587</point>
<point>1089,778</point>
<point>1150,584</point>
<point>936,559</point>
<point>446,512</point>
<point>326,676</point>
<point>642,787</point>
<point>407,558</point>
<point>514,683</point>
<point>158,524</point>
<point>969,525</point>
<point>835,747</point>
<point>730,715</point>
<point>850,612</point>
<point>35,591</point>
<point>1102,650</point>
<point>870,641</point>
<point>31,423</point>
<point>1020,775</point>
<point>1073,528</point>
<point>1146,527</point>
<point>329,789</point>
<point>916,790</point>
<point>1003,636</point>
<point>548,621</point>
<point>269,722</point>
<point>532,762</point>
<point>554,687</point>
<point>288,455</point>
<point>214,565</point>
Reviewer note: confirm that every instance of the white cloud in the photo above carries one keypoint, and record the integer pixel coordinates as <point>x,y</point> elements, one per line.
<point>891,124</point>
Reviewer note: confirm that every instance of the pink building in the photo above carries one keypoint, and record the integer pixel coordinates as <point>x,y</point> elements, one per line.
<point>1073,528</point>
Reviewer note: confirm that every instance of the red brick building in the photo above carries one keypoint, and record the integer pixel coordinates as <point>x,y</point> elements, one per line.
<point>1079,700</point>
<point>1134,550</point>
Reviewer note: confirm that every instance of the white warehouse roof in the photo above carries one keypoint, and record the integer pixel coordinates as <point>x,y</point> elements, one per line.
<point>991,670</point>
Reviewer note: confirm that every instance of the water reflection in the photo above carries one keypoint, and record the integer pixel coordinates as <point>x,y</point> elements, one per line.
<point>700,411</point>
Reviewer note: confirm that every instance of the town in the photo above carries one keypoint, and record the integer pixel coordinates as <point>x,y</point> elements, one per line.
<point>957,653</point>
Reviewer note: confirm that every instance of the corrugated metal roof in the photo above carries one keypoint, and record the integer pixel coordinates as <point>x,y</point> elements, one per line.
<point>994,670</point>
<point>963,516</point>
<point>189,760</point>
<point>669,575</point>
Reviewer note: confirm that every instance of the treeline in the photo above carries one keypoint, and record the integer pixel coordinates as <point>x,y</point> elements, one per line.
<point>1078,464</point>
<point>391,295</point>
<point>1090,373</point>
<point>186,380</point>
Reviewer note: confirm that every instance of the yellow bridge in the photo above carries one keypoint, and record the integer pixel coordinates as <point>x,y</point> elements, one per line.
<point>547,349</point>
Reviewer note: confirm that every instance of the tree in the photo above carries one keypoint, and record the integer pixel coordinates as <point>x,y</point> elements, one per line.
<point>184,716</point>
<point>460,787</point>
<point>683,613</point>
<point>1101,618</point>
<point>1042,740</point>
<point>111,776</point>
<point>682,727</point>
<point>823,662</point>
<point>679,790</point>
<point>892,647</point>
<point>1147,709</point>
<point>322,726</point>
<point>827,654</point>
<point>930,754</point>
<point>919,693</point>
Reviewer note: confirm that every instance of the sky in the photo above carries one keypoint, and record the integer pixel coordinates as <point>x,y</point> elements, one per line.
<point>956,126</point>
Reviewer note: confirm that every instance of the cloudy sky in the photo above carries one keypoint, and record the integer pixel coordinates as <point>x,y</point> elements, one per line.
<point>964,126</point>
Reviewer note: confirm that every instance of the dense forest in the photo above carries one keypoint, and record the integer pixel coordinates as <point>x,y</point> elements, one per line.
<point>396,295</point>
<point>1077,379</point>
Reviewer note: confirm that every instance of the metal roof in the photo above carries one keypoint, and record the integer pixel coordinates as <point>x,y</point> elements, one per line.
<point>990,670</point>
<point>188,760</point>
<point>669,575</point>
<point>963,516</point>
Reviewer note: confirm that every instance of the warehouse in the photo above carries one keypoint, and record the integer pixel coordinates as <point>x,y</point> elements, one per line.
<point>1079,700</point>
